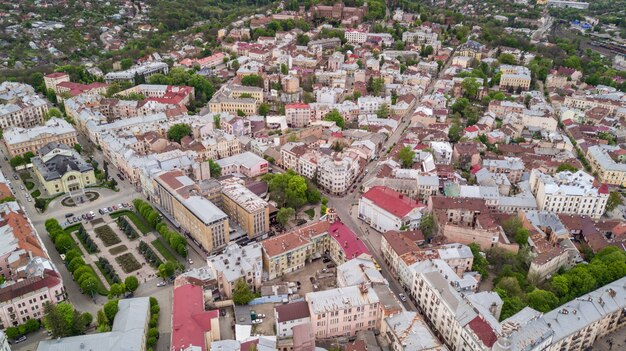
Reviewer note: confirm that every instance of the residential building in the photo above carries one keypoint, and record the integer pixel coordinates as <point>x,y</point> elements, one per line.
<point>128,332</point>
<point>406,331</point>
<point>143,70</point>
<point>344,244</point>
<point>385,209</point>
<point>237,262</point>
<point>568,4</point>
<point>512,167</point>
<point>193,327</point>
<point>245,208</point>
<point>205,62</point>
<point>298,115</point>
<point>359,271</point>
<point>20,106</point>
<point>337,173</point>
<point>167,94</point>
<point>4,342</point>
<point>515,77</point>
<point>569,193</point>
<point>246,163</point>
<point>344,311</point>
<point>179,196</point>
<point>290,315</point>
<point>609,171</point>
<point>53,79</point>
<point>60,169</point>
<point>22,140</point>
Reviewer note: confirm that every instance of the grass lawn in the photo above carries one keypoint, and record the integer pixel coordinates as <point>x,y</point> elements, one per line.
<point>24,175</point>
<point>35,193</point>
<point>71,228</point>
<point>29,185</point>
<point>139,222</point>
<point>164,251</point>
<point>310,212</point>
<point>102,290</point>
<point>128,262</point>
<point>118,250</point>
<point>108,236</point>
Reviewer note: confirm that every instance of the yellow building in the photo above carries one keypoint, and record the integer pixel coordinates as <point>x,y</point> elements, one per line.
<point>246,208</point>
<point>515,77</point>
<point>179,196</point>
<point>609,171</point>
<point>60,169</point>
<point>22,140</point>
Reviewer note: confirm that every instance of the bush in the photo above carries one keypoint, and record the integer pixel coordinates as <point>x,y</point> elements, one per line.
<point>127,228</point>
<point>88,243</point>
<point>118,250</point>
<point>128,262</point>
<point>107,235</point>
<point>108,271</point>
<point>149,254</point>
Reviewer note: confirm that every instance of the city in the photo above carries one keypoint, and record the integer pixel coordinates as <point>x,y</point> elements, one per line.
<point>321,175</point>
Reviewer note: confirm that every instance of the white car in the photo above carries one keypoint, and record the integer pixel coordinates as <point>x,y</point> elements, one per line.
<point>160,284</point>
<point>402,297</point>
<point>257,321</point>
<point>190,261</point>
<point>260,316</point>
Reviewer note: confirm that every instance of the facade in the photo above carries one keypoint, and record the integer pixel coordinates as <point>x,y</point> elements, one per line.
<point>385,209</point>
<point>512,167</point>
<point>569,193</point>
<point>289,316</point>
<point>237,262</point>
<point>337,173</point>
<point>609,171</point>
<point>246,208</point>
<point>22,140</point>
<point>514,77</point>
<point>20,106</point>
<point>246,163</point>
<point>298,115</point>
<point>53,79</point>
<point>129,331</point>
<point>344,311</point>
<point>167,94</point>
<point>60,169</point>
<point>179,196</point>
<point>144,70</point>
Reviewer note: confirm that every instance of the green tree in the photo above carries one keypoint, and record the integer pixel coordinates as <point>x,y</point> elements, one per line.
<point>454,132</point>
<point>110,309</point>
<point>521,236</point>
<point>63,243</point>
<point>178,131</point>
<point>62,320</point>
<point>406,157</point>
<point>116,290</point>
<point>264,109</point>
<point>78,148</point>
<point>507,59</point>
<point>542,300</point>
<point>383,111</point>
<point>480,262</point>
<point>335,116</point>
<point>284,214</point>
<point>283,69</point>
<point>427,225</point>
<point>566,167</point>
<point>215,169</point>
<point>375,85</point>
<point>126,63</point>
<point>428,50</point>
<point>217,122</point>
<point>252,80</point>
<point>242,295</point>
<point>17,161</point>
<point>54,112</point>
<point>89,286</point>
<point>470,87</point>
<point>167,269</point>
<point>131,283</point>
<point>615,199</point>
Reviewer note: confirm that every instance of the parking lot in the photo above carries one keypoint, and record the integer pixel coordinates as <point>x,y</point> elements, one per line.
<point>75,217</point>
<point>322,280</point>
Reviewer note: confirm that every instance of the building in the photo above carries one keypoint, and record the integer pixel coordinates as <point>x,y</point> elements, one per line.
<point>512,167</point>
<point>515,77</point>
<point>166,94</point>
<point>127,333</point>
<point>22,140</point>
<point>138,73</point>
<point>609,171</point>
<point>179,196</point>
<point>568,4</point>
<point>406,331</point>
<point>20,106</point>
<point>339,11</point>
<point>60,169</point>
<point>298,115</point>
<point>193,327</point>
<point>53,79</point>
<point>337,173</point>
<point>569,193</point>
<point>385,209</point>
<point>344,311</point>
<point>237,262</point>
<point>344,244</point>
<point>205,62</point>
<point>4,342</point>
<point>245,208</point>
<point>359,271</point>
<point>246,163</point>
<point>574,326</point>
<point>290,315</point>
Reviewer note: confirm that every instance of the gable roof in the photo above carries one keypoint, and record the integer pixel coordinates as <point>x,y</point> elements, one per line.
<point>391,201</point>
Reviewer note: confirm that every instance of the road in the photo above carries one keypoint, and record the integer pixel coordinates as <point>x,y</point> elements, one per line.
<point>541,31</point>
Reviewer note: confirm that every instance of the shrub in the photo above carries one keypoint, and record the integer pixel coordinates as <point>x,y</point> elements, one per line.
<point>108,271</point>
<point>107,235</point>
<point>149,254</point>
<point>128,262</point>
<point>127,228</point>
<point>85,239</point>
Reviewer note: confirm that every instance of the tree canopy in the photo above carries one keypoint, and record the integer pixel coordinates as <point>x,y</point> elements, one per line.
<point>335,116</point>
<point>178,131</point>
<point>242,295</point>
<point>406,156</point>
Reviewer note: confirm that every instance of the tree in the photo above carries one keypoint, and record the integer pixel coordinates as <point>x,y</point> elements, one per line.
<point>521,236</point>
<point>615,199</point>
<point>16,161</point>
<point>454,132</point>
<point>62,320</point>
<point>283,69</point>
<point>167,269</point>
<point>302,39</point>
<point>252,80</point>
<point>428,50</point>
<point>178,131</point>
<point>566,167</point>
<point>542,300</point>
<point>507,59</point>
<point>406,156</point>
<point>480,262</point>
<point>470,87</point>
<point>427,225</point>
<point>110,309</point>
<point>383,111</point>
<point>242,295</point>
<point>131,283</point>
<point>54,112</point>
<point>335,116</point>
<point>284,214</point>
<point>217,122</point>
<point>116,290</point>
<point>375,85</point>
<point>102,322</point>
<point>63,243</point>
<point>126,63</point>
<point>89,286</point>
<point>264,109</point>
<point>78,148</point>
<point>215,169</point>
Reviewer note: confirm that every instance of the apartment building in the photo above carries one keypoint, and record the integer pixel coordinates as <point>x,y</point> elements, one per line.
<point>298,115</point>
<point>245,208</point>
<point>406,331</point>
<point>337,173</point>
<point>290,315</point>
<point>344,311</point>
<point>385,209</point>
<point>22,140</point>
<point>144,70</point>
<point>205,62</point>
<point>53,79</point>
<point>60,169</point>
<point>167,94</point>
<point>514,77</point>
<point>512,167</point>
<point>193,327</point>
<point>246,163</point>
<point>586,102</point>
<point>235,263</point>
<point>20,106</point>
<point>569,193</point>
<point>609,171</point>
<point>179,196</point>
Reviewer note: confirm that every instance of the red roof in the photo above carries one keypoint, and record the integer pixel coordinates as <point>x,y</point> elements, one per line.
<point>484,331</point>
<point>190,321</point>
<point>56,75</point>
<point>351,245</point>
<point>472,129</point>
<point>296,105</point>
<point>604,189</point>
<point>475,169</point>
<point>391,201</point>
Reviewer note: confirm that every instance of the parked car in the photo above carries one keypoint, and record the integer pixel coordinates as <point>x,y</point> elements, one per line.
<point>84,216</point>
<point>21,187</point>
<point>260,316</point>
<point>257,321</point>
<point>114,207</point>
<point>105,210</point>
<point>20,339</point>
<point>402,297</point>
<point>16,177</point>
<point>76,219</point>
<point>222,312</point>
<point>190,261</point>
<point>160,284</point>
<point>68,215</point>
<point>331,265</point>
<point>326,260</point>
<point>29,199</point>
<point>110,209</point>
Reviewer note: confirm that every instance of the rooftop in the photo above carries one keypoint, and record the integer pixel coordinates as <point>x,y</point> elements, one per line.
<point>340,298</point>
<point>391,201</point>
<point>292,311</point>
<point>189,319</point>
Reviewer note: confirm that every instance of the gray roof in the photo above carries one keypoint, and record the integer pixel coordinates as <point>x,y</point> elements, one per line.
<point>58,165</point>
<point>410,331</point>
<point>127,333</point>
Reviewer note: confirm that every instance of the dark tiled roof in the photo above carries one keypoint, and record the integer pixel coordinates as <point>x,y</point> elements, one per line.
<point>292,311</point>
<point>49,279</point>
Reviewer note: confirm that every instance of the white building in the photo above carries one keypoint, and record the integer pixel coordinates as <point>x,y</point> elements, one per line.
<point>146,70</point>
<point>290,315</point>
<point>20,106</point>
<point>336,173</point>
<point>406,331</point>
<point>385,209</point>
<point>569,193</point>
<point>237,262</point>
